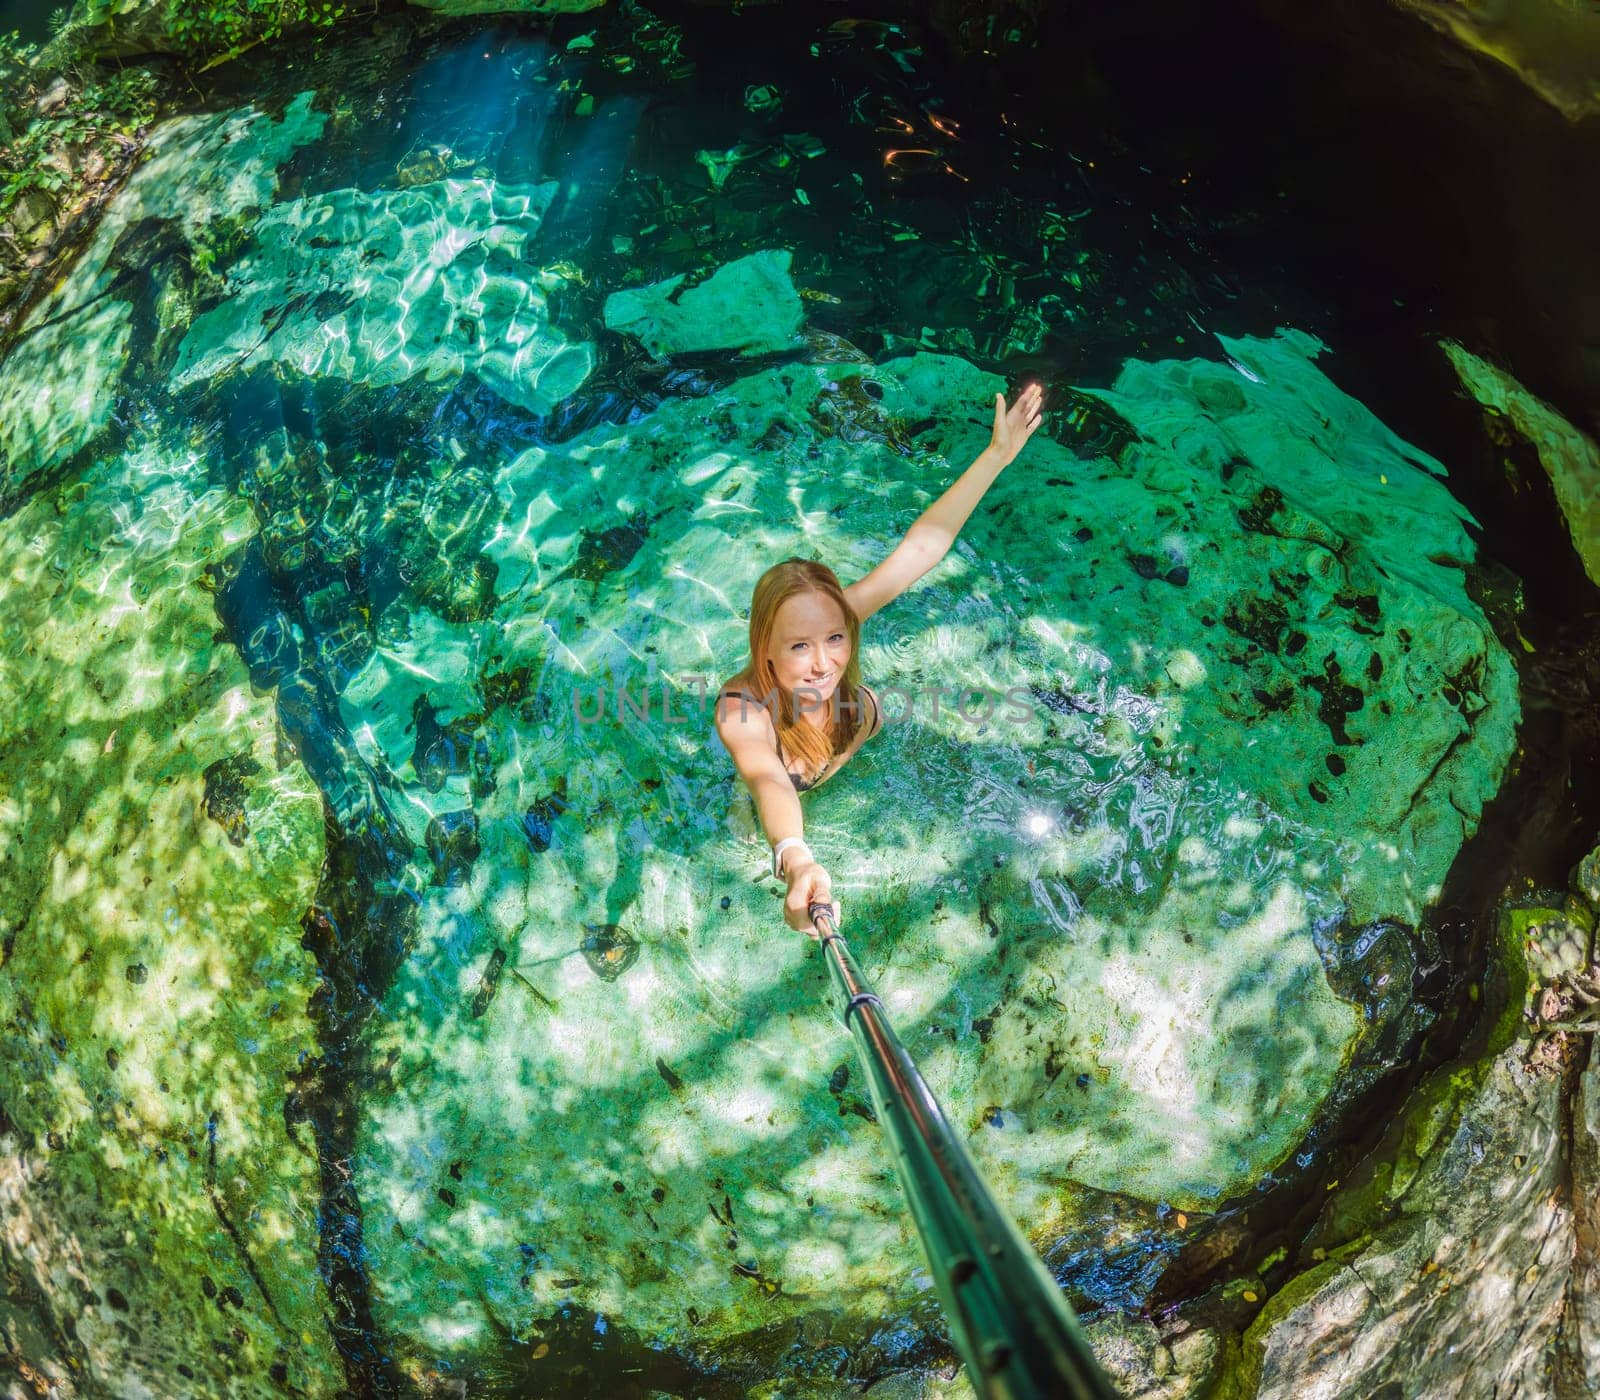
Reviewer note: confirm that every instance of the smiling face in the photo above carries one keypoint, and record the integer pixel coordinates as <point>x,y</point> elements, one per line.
<point>810,647</point>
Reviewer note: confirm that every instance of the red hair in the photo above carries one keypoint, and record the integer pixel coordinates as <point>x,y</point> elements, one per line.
<point>759,677</point>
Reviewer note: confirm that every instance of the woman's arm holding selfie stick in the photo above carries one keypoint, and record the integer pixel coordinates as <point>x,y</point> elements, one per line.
<point>778,806</point>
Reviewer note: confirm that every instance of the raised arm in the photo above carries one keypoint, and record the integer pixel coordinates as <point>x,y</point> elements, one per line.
<point>935,530</point>
<point>747,732</point>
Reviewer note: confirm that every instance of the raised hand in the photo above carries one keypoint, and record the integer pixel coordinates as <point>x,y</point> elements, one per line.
<point>1015,425</point>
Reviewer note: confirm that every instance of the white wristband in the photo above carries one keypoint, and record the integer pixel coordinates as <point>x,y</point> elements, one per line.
<point>780,848</point>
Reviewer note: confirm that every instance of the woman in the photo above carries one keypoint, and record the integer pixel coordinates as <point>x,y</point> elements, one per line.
<point>798,712</point>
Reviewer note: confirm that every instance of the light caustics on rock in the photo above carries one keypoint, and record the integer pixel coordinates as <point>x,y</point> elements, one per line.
<point>380,287</point>
<point>1265,714</point>
<point>62,377</point>
<point>160,852</point>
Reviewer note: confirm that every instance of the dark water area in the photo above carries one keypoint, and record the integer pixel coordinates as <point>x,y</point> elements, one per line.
<point>1236,174</point>
<point>1412,190</point>
<point>30,19</point>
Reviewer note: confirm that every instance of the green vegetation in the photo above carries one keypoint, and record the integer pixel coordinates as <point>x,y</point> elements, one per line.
<point>207,32</point>
<point>70,108</point>
<point>51,121</point>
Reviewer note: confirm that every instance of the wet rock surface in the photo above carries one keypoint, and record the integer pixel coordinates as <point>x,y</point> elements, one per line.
<point>1469,1280</point>
<point>1479,1272</point>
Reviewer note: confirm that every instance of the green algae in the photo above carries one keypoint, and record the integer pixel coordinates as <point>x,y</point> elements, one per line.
<point>153,991</point>
<point>1108,944</point>
<point>1550,944</point>
<point>1567,453</point>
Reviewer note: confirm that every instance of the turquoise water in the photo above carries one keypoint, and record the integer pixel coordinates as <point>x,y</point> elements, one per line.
<point>340,374</point>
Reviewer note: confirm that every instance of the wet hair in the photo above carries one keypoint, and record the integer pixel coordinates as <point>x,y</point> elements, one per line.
<point>758,679</point>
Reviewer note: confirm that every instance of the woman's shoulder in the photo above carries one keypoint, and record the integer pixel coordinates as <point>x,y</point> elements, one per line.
<point>736,703</point>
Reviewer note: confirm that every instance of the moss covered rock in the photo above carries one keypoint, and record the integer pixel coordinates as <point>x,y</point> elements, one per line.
<point>1551,45</point>
<point>159,1219</point>
<point>1462,1254</point>
<point>1469,1278</point>
<point>1567,453</point>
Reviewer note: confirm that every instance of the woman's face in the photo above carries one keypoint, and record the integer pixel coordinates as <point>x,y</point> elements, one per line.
<point>810,646</point>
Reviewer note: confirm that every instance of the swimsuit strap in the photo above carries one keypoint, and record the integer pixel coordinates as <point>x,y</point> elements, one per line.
<point>877,713</point>
<point>799,784</point>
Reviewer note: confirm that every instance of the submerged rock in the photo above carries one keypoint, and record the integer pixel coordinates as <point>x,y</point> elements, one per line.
<point>1339,621</point>
<point>442,751</point>
<point>749,305</point>
<point>60,380</point>
<point>380,286</point>
<point>160,1230</point>
<point>1132,931</point>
